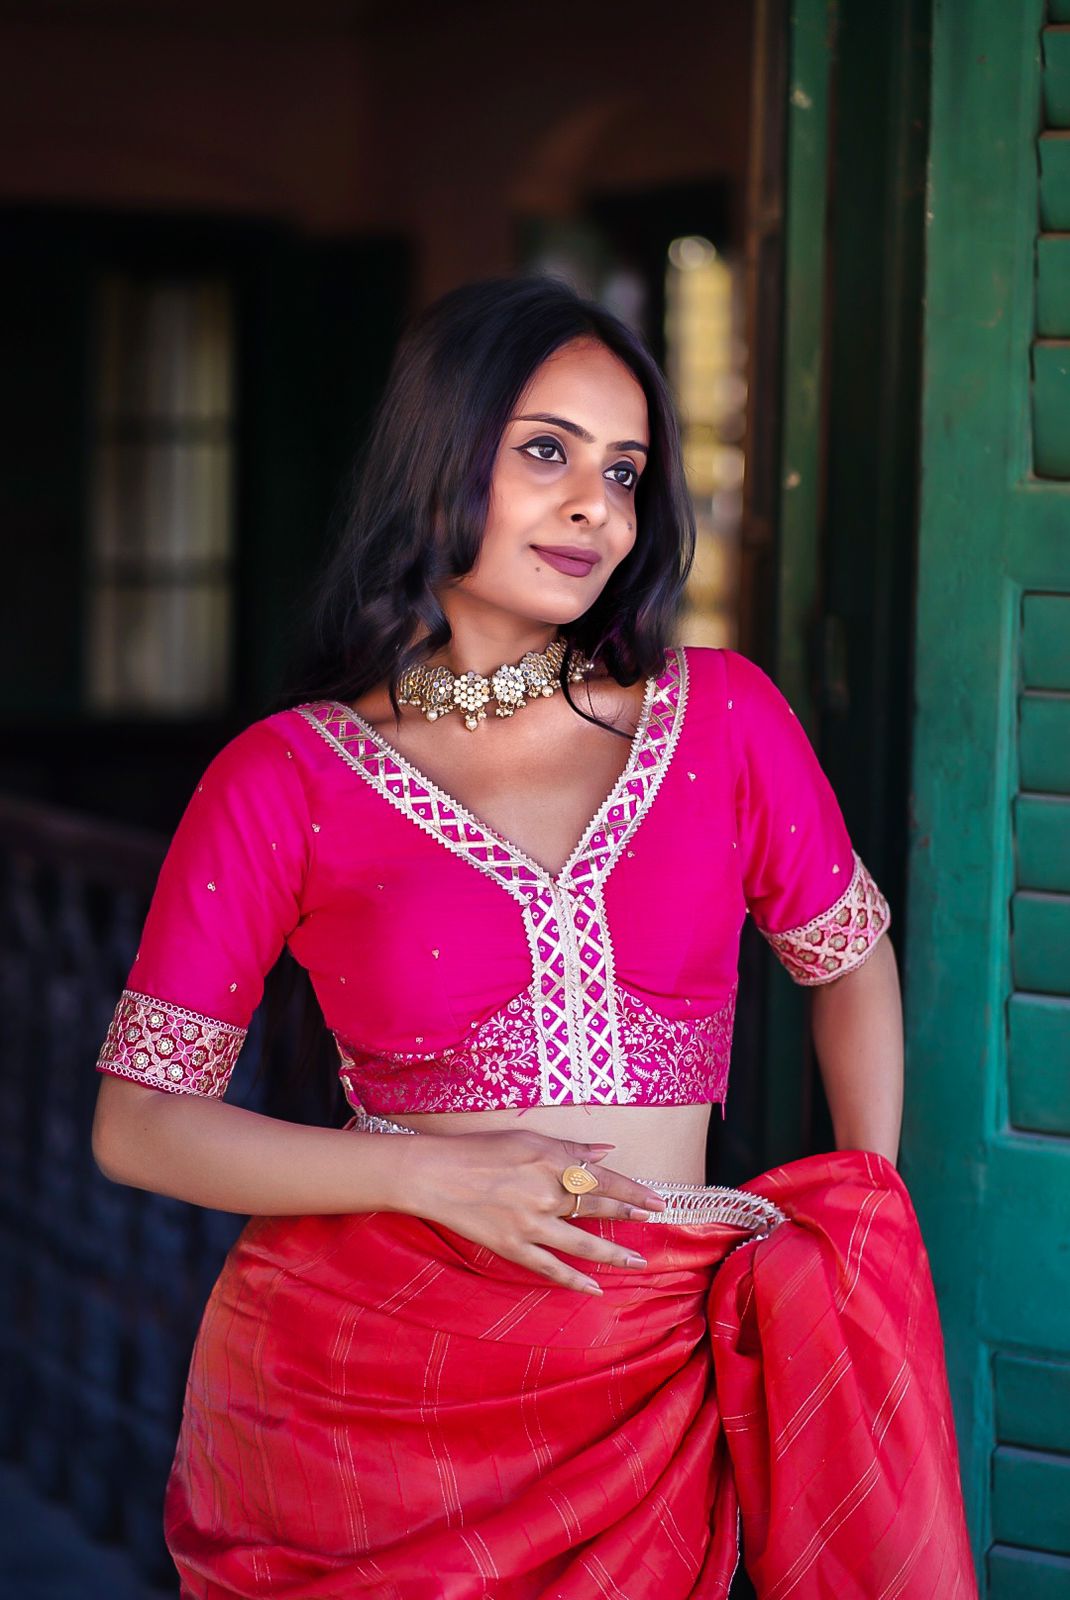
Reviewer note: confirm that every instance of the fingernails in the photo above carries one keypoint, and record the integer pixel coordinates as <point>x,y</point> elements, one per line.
<point>635,1261</point>
<point>657,1202</point>
<point>589,1287</point>
<point>637,1214</point>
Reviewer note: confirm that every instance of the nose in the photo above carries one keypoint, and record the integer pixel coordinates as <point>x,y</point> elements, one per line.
<point>585,499</point>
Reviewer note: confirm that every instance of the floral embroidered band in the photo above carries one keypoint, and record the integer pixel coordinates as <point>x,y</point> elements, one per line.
<point>841,938</point>
<point>663,1061</point>
<point>168,1047</point>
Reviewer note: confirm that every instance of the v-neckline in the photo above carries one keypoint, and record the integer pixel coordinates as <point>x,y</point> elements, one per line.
<point>471,821</point>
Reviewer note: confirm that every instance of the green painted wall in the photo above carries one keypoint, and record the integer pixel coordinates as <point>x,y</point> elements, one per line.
<point>987,1137</point>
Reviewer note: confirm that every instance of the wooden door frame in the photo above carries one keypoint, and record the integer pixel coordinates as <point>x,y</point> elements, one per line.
<point>832,444</point>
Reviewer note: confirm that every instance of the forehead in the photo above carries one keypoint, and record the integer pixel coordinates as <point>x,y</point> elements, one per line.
<point>588,384</point>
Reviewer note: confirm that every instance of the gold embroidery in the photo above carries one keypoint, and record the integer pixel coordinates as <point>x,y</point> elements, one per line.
<point>665,1061</point>
<point>168,1047</point>
<point>841,938</point>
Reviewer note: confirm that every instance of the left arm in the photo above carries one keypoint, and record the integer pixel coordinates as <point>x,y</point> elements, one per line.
<point>857,1023</point>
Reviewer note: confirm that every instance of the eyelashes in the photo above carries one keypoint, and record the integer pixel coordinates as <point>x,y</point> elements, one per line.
<point>555,444</point>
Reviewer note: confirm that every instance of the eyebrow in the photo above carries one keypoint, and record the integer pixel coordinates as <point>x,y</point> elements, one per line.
<point>581,433</point>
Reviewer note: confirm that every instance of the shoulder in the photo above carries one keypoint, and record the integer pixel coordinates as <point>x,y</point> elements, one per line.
<point>714,669</point>
<point>702,665</point>
<point>733,698</point>
<point>265,758</point>
<point>259,743</point>
<point>762,707</point>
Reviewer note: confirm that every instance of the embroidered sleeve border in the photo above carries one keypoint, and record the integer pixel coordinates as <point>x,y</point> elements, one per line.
<point>841,938</point>
<point>168,1047</point>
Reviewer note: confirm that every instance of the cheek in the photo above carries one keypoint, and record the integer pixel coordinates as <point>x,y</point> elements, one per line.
<point>512,502</point>
<point>494,571</point>
<point>624,543</point>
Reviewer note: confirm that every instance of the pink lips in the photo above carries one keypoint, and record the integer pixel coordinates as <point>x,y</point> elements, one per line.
<point>568,558</point>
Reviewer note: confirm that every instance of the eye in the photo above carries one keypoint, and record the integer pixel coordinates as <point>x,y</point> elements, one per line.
<point>541,444</point>
<point>554,444</point>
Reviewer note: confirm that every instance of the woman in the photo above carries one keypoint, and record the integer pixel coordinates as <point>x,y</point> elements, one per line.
<point>512,835</point>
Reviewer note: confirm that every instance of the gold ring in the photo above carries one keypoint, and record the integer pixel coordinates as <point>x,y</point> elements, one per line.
<point>577,1180</point>
<point>576,1208</point>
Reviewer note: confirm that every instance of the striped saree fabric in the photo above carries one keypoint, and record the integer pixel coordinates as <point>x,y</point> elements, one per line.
<point>378,1407</point>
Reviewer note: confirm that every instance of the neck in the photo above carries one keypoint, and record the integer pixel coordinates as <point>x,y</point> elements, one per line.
<point>484,639</point>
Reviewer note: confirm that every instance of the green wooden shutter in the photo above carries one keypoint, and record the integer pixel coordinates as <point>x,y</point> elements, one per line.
<point>987,1136</point>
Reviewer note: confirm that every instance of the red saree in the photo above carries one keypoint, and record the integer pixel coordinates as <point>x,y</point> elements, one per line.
<point>378,1407</point>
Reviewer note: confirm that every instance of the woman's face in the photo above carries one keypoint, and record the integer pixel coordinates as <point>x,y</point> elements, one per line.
<point>561,514</point>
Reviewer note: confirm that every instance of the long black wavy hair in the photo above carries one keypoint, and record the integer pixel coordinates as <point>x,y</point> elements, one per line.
<point>411,519</point>
<point>414,509</point>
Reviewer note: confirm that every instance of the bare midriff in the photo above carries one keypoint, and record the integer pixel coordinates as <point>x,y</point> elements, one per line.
<point>663,1142</point>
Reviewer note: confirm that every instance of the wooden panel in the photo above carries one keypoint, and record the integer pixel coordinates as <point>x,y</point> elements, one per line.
<point>994,1201</point>
<point>1037,1057</point>
<point>1037,545</point>
<point>1042,832</point>
<point>1031,1499</point>
<point>1040,942</point>
<point>1026,1575</point>
<point>1044,742</point>
<point>1054,151</point>
<point>1056,46</point>
<point>1024,1286</point>
<point>1053,285</point>
<point>1032,1399</point>
<point>1046,640</point>
<point>1051,408</point>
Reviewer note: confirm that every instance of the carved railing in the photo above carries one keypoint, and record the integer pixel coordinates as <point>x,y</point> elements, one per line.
<point>103,1284</point>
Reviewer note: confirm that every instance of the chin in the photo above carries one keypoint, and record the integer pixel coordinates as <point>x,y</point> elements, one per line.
<point>543,604</point>
<point>551,606</point>
<point>556,616</point>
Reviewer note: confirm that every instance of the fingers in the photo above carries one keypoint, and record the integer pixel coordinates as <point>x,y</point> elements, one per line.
<point>577,1150</point>
<point>590,1246</point>
<point>523,1207</point>
<point>598,1205</point>
<point>614,1187</point>
<point>611,1184</point>
<point>541,1260</point>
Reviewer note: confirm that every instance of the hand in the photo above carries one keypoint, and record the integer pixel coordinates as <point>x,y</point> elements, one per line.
<point>504,1190</point>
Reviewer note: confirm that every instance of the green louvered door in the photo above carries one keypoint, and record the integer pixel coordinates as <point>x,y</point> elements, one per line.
<point>987,1139</point>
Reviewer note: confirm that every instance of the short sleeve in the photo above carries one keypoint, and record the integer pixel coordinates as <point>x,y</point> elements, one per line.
<point>227,897</point>
<point>804,883</point>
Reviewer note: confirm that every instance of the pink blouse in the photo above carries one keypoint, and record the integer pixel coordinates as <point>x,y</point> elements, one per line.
<point>455,972</point>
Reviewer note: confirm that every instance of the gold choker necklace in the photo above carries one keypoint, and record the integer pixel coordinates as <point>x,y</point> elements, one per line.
<point>436,691</point>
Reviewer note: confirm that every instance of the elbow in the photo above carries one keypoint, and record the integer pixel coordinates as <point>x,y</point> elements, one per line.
<point>107,1149</point>
<point>112,1138</point>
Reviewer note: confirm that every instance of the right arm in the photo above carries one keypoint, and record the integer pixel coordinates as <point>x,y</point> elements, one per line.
<point>500,1189</point>
<point>200,1148</point>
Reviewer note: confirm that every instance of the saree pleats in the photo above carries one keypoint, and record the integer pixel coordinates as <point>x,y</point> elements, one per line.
<point>829,1364</point>
<point>378,1407</point>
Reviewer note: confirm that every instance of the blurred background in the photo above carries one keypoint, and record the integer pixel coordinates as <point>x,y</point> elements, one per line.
<point>843,230</point>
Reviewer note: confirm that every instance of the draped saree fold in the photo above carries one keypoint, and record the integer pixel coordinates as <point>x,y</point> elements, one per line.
<point>378,1407</point>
